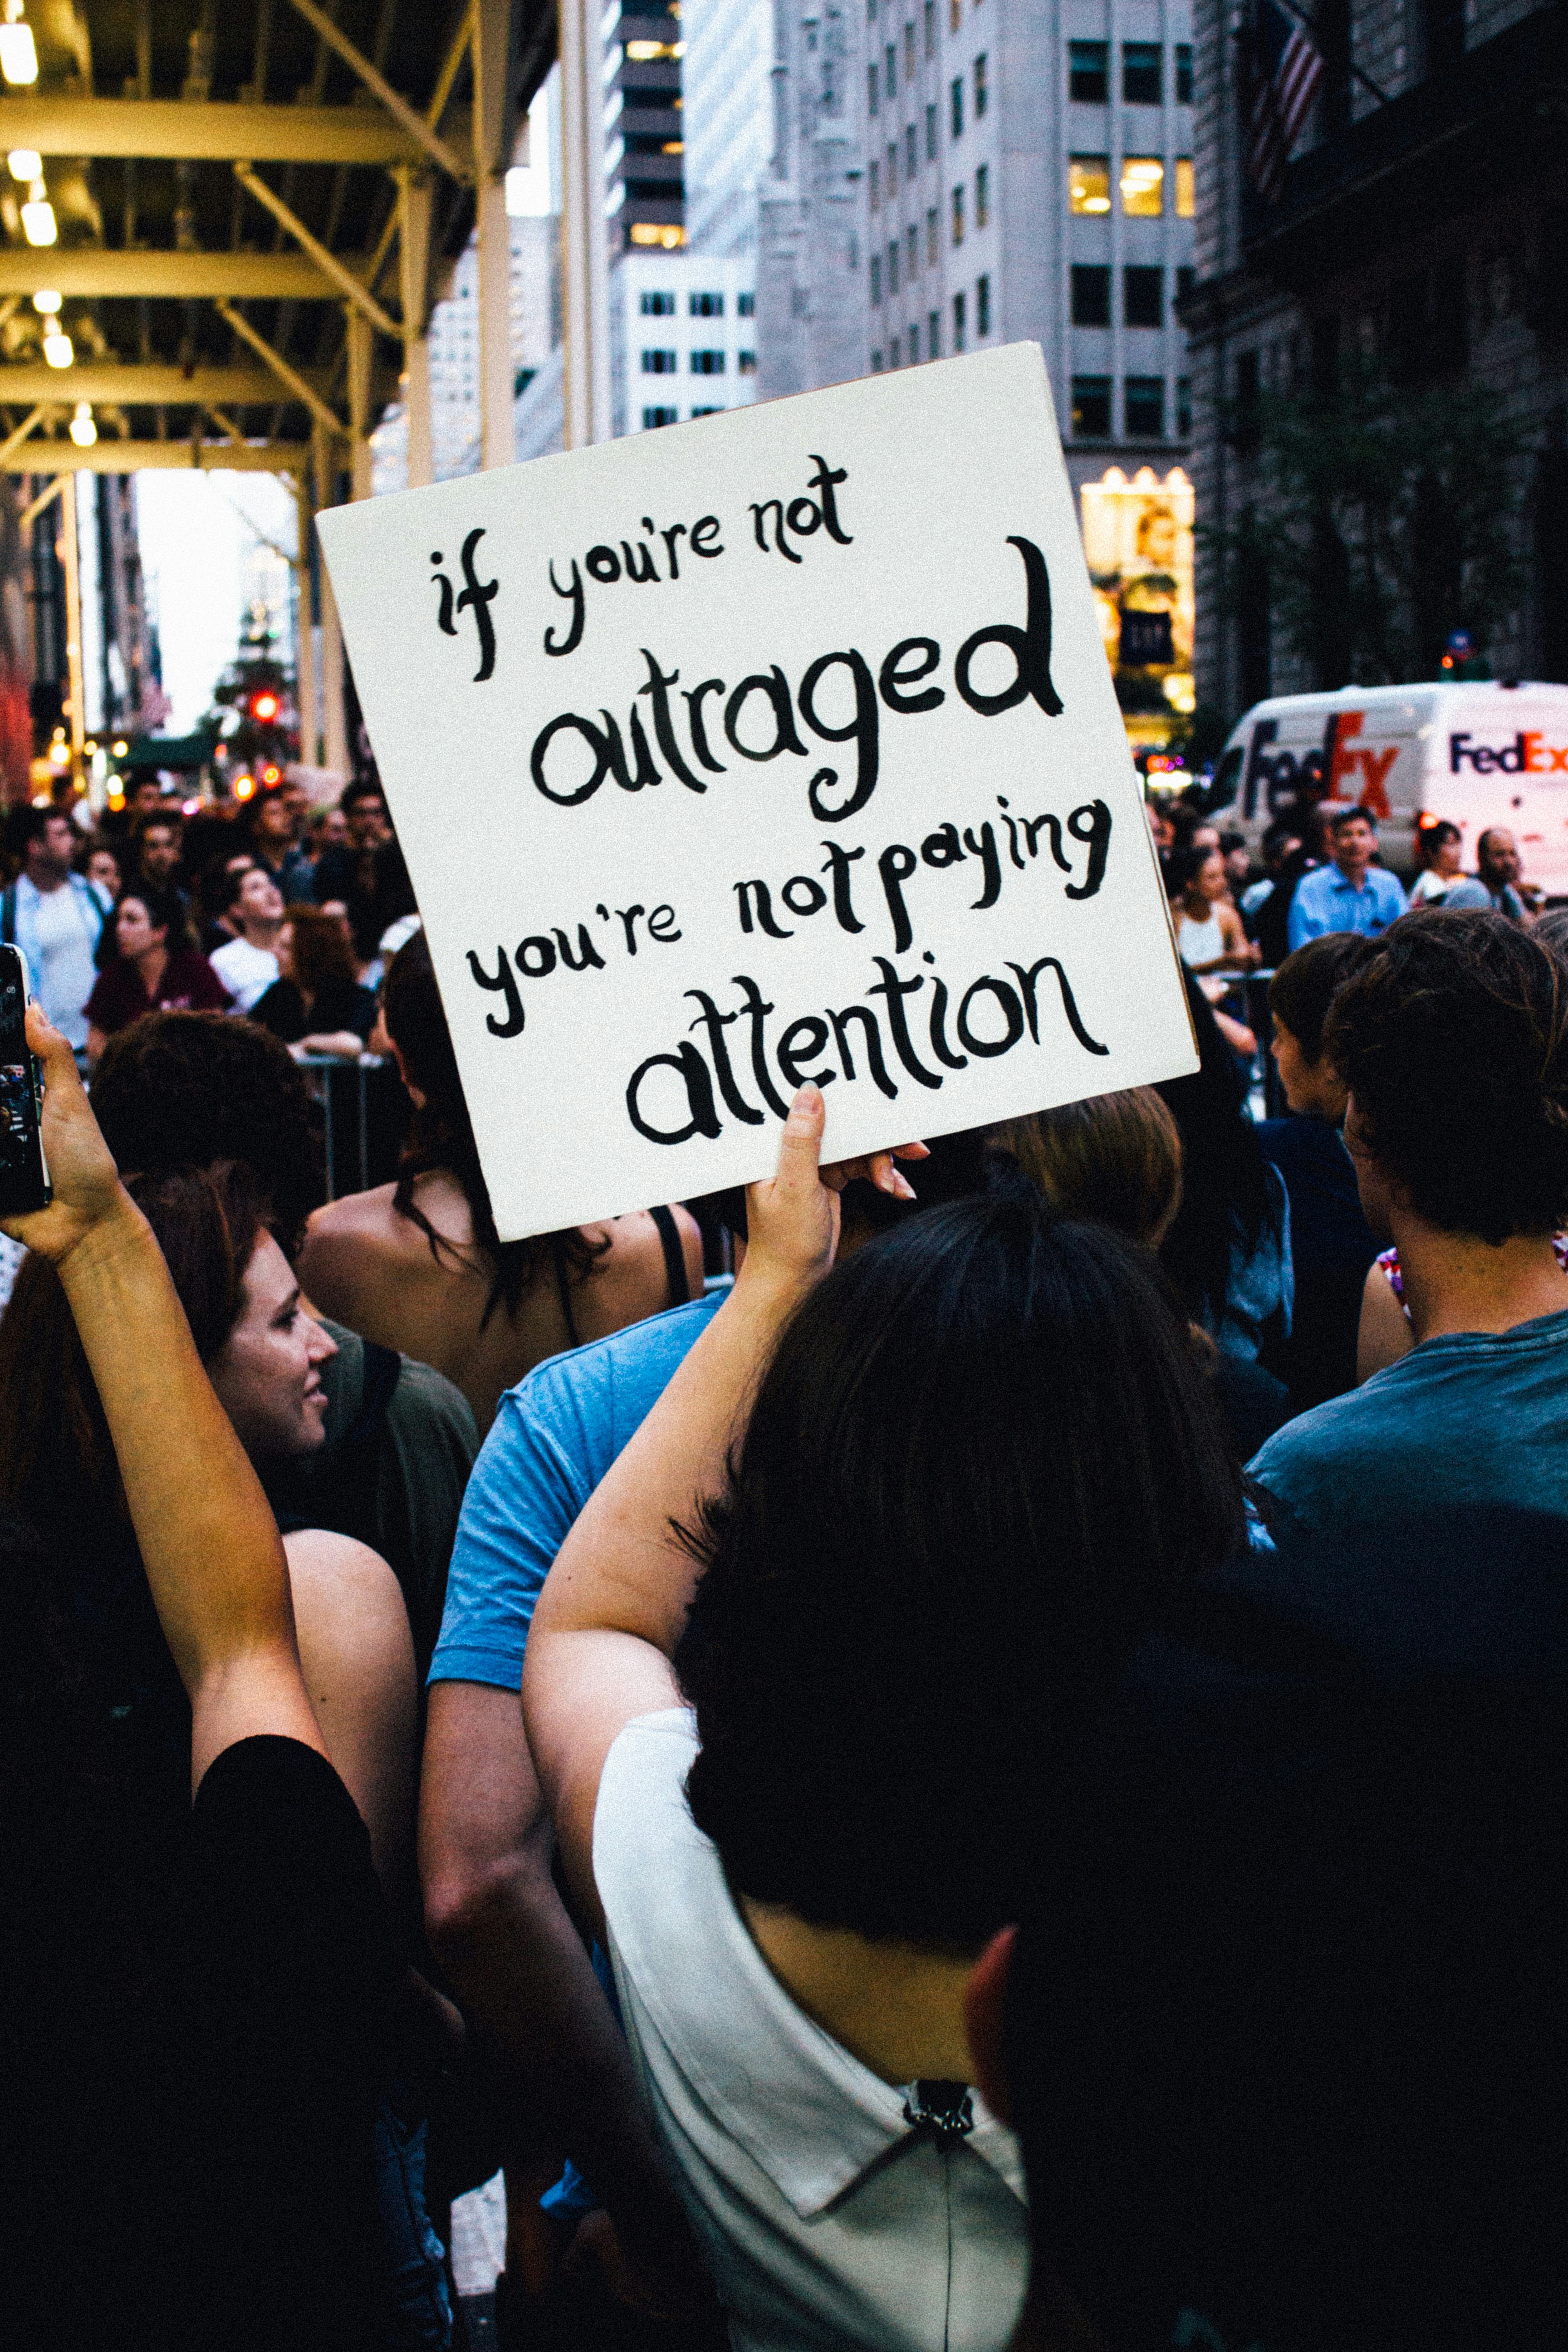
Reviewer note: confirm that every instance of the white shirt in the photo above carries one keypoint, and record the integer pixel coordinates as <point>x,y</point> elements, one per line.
<point>826,2220</point>
<point>63,968</point>
<point>245,971</point>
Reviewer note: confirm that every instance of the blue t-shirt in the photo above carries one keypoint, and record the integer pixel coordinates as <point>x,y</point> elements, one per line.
<point>1325,901</point>
<point>555,1435</point>
<point>1413,1510</point>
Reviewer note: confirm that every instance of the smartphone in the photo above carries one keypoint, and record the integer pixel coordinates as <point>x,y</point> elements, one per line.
<point>24,1174</point>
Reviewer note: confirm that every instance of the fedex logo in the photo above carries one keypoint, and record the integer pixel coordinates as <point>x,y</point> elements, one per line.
<point>1350,762</point>
<point>1528,755</point>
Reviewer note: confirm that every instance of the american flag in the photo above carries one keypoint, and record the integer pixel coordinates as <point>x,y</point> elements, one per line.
<point>1285,71</point>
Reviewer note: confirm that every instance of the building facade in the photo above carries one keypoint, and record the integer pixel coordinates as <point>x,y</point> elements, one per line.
<point>727,109</point>
<point>1418,239</point>
<point>683,339</point>
<point>644,169</point>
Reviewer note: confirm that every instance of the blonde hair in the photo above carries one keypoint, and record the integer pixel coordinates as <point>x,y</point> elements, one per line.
<point>1115,1160</point>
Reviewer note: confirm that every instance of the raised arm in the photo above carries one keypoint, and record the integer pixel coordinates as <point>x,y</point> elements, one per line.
<point>207,1536</point>
<point>613,1604</point>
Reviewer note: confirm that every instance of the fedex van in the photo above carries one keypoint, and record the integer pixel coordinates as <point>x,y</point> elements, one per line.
<point>1478,755</point>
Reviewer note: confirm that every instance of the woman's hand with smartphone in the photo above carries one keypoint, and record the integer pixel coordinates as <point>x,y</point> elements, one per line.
<point>89,1198</point>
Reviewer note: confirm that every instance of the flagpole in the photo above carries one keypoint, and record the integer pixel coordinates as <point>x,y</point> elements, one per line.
<point>1300,16</point>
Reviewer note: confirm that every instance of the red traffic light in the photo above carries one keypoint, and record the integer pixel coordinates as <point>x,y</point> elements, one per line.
<point>264,706</point>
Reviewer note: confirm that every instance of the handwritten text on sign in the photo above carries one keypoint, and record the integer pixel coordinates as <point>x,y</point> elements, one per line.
<point>784,748</point>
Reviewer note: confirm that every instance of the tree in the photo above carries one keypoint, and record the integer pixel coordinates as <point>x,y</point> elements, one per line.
<point>253,704</point>
<point>1384,519</point>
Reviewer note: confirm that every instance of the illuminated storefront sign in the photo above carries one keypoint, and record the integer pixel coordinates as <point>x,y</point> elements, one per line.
<point>1138,539</point>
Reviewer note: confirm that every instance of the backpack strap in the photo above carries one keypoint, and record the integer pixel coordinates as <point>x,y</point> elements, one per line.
<point>678,1290</point>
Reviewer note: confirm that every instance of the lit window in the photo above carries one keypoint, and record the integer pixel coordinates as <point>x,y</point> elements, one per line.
<point>745,364</point>
<point>958,216</point>
<point>1183,73</point>
<point>957,98</point>
<point>705,305</point>
<point>1088,72</point>
<point>647,53</point>
<point>659,305</point>
<point>1143,187</point>
<point>1143,297</point>
<point>958,318</point>
<point>1186,206</point>
<point>931,134</point>
<point>707,362</point>
<point>658,362</point>
<point>655,232</point>
<point>933,335</point>
<point>982,306</point>
<point>1091,295</point>
<point>1142,73</point>
<point>1144,407</point>
<point>1091,408</point>
<point>652,417</point>
<point>745,306</point>
<point>1089,184</point>
<point>982,196</point>
<point>980,87</point>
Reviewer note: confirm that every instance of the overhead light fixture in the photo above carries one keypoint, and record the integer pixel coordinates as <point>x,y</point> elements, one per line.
<point>25,163</point>
<point>46,303</point>
<point>38,226</point>
<point>19,58</point>
<point>58,349</point>
<point>84,431</point>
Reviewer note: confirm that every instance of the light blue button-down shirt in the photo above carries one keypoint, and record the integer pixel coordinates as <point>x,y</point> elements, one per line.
<point>1326,901</point>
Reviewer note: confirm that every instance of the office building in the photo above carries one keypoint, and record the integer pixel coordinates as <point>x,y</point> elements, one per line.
<point>644,161</point>
<point>682,337</point>
<point>728,112</point>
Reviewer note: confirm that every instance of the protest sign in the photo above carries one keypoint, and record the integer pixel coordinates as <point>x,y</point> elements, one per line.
<point>778,747</point>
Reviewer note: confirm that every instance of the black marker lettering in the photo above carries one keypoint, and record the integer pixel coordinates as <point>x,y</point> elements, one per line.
<point>658,688</point>
<point>985,850</point>
<point>1096,834</point>
<point>692,697</point>
<point>716,1023</point>
<point>757,1009</point>
<point>873,1044</point>
<point>895,990</point>
<point>506,985</point>
<point>824,481</point>
<point>587,953</point>
<point>894,865</point>
<point>765,910</point>
<point>1069,1004</point>
<point>693,1070</point>
<point>840,861</point>
<point>574,597</point>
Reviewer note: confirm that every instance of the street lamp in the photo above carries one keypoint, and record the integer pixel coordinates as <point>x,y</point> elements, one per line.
<point>84,431</point>
<point>58,349</point>
<point>39,224</point>
<point>18,57</point>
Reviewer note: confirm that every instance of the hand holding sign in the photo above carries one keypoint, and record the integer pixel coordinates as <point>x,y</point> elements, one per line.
<point>777,751</point>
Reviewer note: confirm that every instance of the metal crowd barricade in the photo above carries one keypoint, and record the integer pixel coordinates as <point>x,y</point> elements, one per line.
<point>333,1066</point>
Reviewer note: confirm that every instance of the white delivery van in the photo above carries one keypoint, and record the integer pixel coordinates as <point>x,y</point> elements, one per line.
<point>1479,754</point>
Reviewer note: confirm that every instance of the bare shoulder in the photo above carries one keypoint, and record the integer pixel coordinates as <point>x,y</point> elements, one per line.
<point>340,1566</point>
<point>354,1216</point>
<point>631,1277</point>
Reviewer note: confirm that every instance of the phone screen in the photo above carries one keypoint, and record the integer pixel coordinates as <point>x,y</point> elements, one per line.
<point>24,1183</point>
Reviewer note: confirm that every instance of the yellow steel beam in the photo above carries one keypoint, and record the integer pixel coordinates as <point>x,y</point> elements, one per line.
<point>31,512</point>
<point>396,105</point>
<point>327,263</point>
<point>88,270</point>
<point>289,376</point>
<point>239,387</point>
<point>142,456</point>
<point>218,132</point>
<point>20,435</point>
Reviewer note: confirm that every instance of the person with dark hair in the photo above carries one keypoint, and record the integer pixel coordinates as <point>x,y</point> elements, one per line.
<point>1452,1042</point>
<point>188,1089</point>
<point>1496,880</point>
<point>316,1003</point>
<point>980,1464</point>
<point>418,1265</point>
<point>1351,894</point>
<point>149,963</point>
<point>57,917</point>
<point>273,834</point>
<point>199,2001</point>
<point>1440,846</point>
<point>1331,1244</point>
<point>157,842</point>
<point>1209,937</point>
<point>99,863</point>
<point>253,905</point>
<point>1229,1251</point>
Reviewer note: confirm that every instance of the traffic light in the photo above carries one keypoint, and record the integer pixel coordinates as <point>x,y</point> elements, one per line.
<point>264,704</point>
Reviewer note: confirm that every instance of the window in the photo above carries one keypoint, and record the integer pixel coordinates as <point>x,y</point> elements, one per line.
<point>1144,407</point>
<point>1091,295</point>
<point>931,135</point>
<point>745,364</point>
<point>1183,73</point>
<point>1088,72</point>
<point>912,151</point>
<point>1142,73</point>
<point>705,305</point>
<point>1143,187</point>
<point>891,72</point>
<point>745,306</point>
<point>980,89</point>
<point>957,96</point>
<point>908,53</point>
<point>707,362</point>
<point>954,15</point>
<point>1091,408</point>
<point>1143,297</point>
<point>652,417</point>
<point>958,322</point>
<point>1089,184</point>
<point>982,196</point>
<point>913,252</point>
<point>1183,408</point>
<point>872,89</point>
<point>876,279</point>
<point>659,305</point>
<point>708,411</point>
<point>933,238</point>
<point>1186,206</point>
<point>914,345</point>
<point>892,170</point>
<point>1186,278</point>
<point>933,335</point>
<point>876,187</point>
<point>895,354</point>
<point>958,216</point>
<point>982,306</point>
<point>877,360</point>
<point>893,267</point>
<point>658,362</point>
<point>931,28</point>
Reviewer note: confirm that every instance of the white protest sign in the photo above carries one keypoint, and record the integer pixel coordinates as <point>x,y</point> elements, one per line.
<point>780,746</point>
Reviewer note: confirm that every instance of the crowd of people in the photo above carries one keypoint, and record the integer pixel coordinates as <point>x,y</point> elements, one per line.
<point>964,1750</point>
